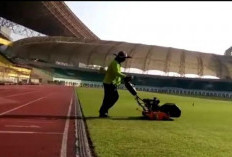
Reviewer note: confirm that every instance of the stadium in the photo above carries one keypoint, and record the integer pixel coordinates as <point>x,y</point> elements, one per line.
<point>51,90</point>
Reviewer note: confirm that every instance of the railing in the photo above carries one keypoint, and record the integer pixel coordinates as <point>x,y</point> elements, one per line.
<point>169,90</point>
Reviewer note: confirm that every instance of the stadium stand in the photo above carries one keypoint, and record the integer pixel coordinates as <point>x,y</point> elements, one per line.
<point>175,85</point>
<point>78,74</point>
<point>148,80</point>
<point>12,74</point>
<point>9,72</point>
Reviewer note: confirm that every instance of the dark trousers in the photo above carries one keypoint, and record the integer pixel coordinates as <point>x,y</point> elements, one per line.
<point>110,97</point>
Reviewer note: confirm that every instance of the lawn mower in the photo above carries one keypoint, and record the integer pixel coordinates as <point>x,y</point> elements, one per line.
<point>151,108</point>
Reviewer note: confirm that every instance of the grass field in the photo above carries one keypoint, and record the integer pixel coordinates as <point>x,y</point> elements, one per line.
<point>203,130</point>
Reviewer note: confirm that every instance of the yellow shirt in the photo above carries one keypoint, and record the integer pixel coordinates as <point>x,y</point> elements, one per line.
<point>113,74</point>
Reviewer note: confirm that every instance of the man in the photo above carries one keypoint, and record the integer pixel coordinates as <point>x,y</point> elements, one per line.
<point>112,80</point>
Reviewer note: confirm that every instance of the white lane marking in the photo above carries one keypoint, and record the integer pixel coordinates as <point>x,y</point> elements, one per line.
<point>63,151</point>
<point>6,101</point>
<point>6,90</point>
<point>22,126</point>
<point>30,132</point>
<point>33,121</point>
<point>22,106</point>
<point>20,94</point>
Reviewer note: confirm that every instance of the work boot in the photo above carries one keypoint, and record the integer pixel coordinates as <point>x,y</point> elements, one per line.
<point>103,115</point>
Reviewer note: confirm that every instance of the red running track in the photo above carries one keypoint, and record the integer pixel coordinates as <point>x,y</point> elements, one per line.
<point>34,123</point>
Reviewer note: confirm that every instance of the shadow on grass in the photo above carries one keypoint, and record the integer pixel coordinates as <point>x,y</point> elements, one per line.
<point>125,118</point>
<point>75,117</point>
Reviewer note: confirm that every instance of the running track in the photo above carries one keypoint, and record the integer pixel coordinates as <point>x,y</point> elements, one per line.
<point>34,123</point>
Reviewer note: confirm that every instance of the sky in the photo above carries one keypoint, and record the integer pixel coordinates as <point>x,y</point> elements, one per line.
<point>195,26</point>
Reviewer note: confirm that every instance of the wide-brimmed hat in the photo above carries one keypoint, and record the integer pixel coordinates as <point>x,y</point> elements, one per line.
<point>122,54</point>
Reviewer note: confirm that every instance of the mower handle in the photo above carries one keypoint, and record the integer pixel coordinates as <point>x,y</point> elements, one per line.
<point>140,102</point>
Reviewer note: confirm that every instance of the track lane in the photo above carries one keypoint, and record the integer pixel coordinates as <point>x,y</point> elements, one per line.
<point>13,100</point>
<point>40,126</point>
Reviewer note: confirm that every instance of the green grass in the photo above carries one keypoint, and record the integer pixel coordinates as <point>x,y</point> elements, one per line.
<point>203,130</point>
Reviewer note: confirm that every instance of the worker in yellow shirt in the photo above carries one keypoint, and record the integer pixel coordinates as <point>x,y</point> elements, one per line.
<point>112,80</point>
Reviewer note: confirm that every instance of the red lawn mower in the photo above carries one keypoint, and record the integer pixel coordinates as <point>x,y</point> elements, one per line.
<point>151,108</point>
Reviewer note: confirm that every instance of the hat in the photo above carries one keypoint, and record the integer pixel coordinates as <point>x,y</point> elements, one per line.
<point>122,54</point>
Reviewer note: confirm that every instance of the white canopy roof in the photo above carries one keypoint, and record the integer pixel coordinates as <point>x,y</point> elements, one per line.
<point>75,51</point>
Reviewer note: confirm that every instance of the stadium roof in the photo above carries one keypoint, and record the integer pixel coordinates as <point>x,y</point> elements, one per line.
<point>77,51</point>
<point>52,18</point>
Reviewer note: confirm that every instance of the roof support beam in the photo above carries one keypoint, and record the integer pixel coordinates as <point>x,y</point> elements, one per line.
<point>147,60</point>
<point>182,64</point>
<point>167,61</point>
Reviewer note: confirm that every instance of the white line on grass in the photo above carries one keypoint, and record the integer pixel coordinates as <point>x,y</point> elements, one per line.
<point>63,151</point>
<point>22,106</point>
